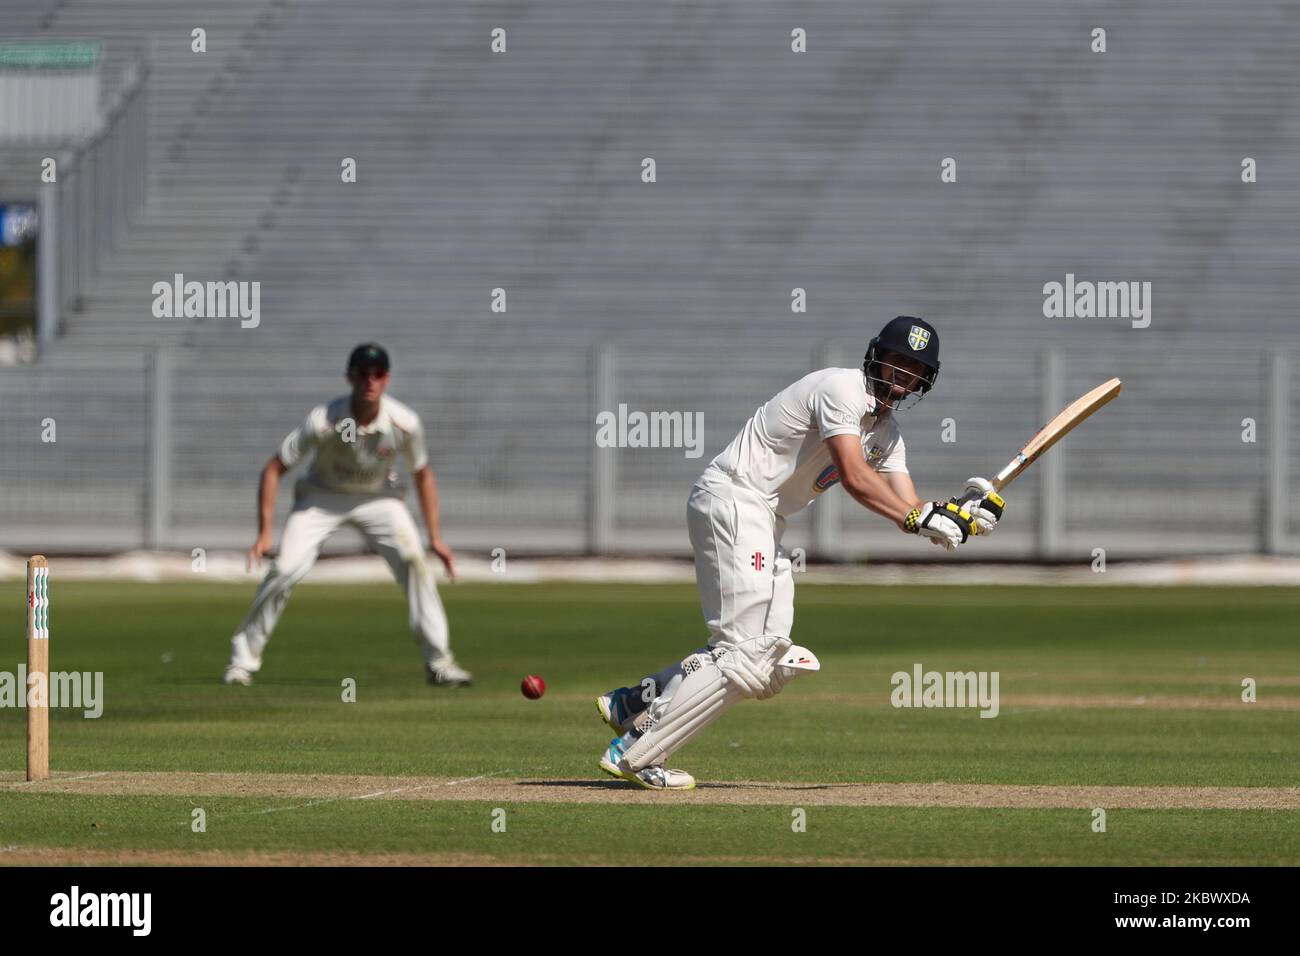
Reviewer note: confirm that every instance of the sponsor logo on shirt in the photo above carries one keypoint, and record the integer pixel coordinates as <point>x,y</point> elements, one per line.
<point>357,474</point>
<point>830,475</point>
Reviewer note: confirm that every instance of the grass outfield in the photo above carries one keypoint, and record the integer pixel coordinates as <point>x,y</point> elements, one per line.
<point>1111,687</point>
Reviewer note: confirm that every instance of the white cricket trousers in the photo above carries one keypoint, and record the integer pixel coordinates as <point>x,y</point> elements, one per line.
<point>388,528</point>
<point>744,576</point>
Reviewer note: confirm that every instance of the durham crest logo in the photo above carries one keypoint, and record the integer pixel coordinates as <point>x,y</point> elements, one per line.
<point>918,338</point>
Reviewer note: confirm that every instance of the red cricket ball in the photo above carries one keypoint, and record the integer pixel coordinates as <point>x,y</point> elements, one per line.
<point>532,687</point>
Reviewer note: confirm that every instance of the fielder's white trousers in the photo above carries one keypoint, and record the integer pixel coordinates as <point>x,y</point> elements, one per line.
<point>389,529</point>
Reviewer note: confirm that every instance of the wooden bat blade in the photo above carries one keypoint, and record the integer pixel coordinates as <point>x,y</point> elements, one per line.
<point>1060,426</point>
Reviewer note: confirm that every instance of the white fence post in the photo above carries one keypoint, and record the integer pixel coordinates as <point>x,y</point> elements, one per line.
<point>49,297</point>
<point>1051,490</point>
<point>158,482</point>
<point>85,214</point>
<point>828,515</point>
<point>603,478</point>
<point>1276,498</point>
<point>66,190</point>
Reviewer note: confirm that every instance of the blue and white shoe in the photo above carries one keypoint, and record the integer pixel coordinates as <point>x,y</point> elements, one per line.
<point>614,710</point>
<point>612,762</point>
<point>651,778</point>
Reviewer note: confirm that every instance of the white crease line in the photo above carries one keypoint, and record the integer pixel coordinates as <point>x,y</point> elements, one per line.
<point>57,780</point>
<point>363,796</point>
<point>300,806</point>
<point>430,786</point>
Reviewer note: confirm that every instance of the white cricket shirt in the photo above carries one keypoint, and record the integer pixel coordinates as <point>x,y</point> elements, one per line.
<point>781,452</point>
<point>365,466</point>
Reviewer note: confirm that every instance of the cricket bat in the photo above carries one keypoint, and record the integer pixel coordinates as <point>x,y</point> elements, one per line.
<point>1060,426</point>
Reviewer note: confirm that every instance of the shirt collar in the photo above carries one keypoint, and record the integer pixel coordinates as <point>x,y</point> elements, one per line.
<point>381,420</point>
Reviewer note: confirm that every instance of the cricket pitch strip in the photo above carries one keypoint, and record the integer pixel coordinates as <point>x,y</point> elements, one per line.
<point>313,790</point>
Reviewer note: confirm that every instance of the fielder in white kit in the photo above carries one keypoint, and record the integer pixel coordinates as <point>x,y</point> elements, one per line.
<point>833,426</point>
<point>352,480</point>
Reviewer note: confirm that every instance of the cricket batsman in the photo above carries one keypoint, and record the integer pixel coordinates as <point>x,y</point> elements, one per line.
<point>836,425</point>
<point>352,480</point>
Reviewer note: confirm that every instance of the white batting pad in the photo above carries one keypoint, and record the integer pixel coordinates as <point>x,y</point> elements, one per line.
<point>701,698</point>
<point>800,659</point>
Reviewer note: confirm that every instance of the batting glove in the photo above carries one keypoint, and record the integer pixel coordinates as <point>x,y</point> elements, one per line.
<point>984,504</point>
<point>943,522</point>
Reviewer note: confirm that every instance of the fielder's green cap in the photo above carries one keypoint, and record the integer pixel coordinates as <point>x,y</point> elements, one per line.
<point>368,355</point>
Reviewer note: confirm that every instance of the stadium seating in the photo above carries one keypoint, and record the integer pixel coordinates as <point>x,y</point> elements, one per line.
<point>775,170</point>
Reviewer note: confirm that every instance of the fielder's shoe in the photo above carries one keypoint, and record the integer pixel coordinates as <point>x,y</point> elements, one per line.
<point>243,662</point>
<point>237,675</point>
<point>614,710</point>
<point>651,778</point>
<point>447,673</point>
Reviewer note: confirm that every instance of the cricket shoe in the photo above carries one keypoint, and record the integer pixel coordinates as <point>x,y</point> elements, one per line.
<point>237,675</point>
<point>613,709</point>
<point>447,673</point>
<point>243,662</point>
<point>651,778</point>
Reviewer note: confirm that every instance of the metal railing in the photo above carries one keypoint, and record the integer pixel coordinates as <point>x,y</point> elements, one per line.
<point>1198,456</point>
<point>102,183</point>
